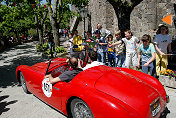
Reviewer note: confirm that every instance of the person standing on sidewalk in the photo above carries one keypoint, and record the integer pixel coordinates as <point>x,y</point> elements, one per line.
<point>111,52</point>
<point>147,51</point>
<point>104,32</point>
<point>77,47</point>
<point>101,45</point>
<point>70,43</point>
<point>120,50</point>
<point>51,44</point>
<point>162,41</point>
<point>132,44</point>
<point>90,42</point>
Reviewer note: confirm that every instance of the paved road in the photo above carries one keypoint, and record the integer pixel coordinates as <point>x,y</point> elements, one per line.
<point>172,104</point>
<point>14,103</point>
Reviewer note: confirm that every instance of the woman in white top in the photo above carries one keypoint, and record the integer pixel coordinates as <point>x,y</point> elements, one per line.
<point>162,41</point>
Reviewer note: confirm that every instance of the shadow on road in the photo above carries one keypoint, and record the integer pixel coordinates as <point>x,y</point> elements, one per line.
<point>8,72</point>
<point>23,55</point>
<point>3,105</point>
<point>11,58</point>
<point>165,113</point>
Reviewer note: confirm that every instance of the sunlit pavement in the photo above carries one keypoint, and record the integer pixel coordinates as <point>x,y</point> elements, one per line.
<point>14,103</point>
<point>172,104</point>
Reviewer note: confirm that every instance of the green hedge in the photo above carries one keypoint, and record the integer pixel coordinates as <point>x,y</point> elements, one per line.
<point>42,47</point>
<point>58,50</point>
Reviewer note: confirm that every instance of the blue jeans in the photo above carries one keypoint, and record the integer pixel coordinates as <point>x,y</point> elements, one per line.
<point>111,62</point>
<point>52,47</point>
<point>101,57</point>
<point>71,52</point>
<point>150,68</point>
<point>120,60</point>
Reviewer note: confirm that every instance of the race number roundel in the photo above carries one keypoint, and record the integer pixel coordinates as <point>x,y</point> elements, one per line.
<point>47,87</point>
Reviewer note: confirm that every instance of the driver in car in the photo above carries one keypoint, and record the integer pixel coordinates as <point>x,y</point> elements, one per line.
<point>67,75</point>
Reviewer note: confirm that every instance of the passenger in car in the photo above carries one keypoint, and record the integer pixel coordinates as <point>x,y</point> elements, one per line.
<point>93,59</point>
<point>67,75</point>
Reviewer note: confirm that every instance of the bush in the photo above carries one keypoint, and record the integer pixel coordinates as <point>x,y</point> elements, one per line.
<point>42,47</point>
<point>38,46</point>
<point>58,50</point>
<point>45,45</point>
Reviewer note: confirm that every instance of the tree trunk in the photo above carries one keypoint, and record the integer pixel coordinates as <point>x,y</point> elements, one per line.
<point>123,15</point>
<point>123,9</point>
<point>53,20</point>
<point>40,31</point>
<point>123,19</point>
<point>45,28</point>
<point>40,26</point>
<point>55,33</point>
<point>37,24</point>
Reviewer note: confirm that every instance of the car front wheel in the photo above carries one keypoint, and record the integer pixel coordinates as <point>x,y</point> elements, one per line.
<point>23,83</point>
<point>80,109</point>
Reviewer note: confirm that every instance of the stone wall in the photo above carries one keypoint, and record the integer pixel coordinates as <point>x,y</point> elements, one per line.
<point>145,17</point>
<point>102,12</point>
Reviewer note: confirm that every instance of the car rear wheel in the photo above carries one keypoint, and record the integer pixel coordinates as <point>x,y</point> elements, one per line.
<point>23,83</point>
<point>79,109</point>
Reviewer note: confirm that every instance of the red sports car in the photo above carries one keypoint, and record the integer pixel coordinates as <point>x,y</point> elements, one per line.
<point>98,92</point>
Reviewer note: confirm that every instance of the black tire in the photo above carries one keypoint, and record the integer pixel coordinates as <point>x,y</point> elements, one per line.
<point>79,109</point>
<point>23,83</point>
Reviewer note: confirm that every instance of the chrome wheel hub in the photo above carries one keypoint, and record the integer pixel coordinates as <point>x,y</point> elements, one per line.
<point>82,111</point>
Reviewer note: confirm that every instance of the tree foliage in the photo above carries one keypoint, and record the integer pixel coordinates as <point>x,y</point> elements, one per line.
<point>60,14</point>
<point>16,18</point>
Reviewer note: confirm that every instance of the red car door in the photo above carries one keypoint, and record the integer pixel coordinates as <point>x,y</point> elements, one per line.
<point>33,80</point>
<point>53,93</point>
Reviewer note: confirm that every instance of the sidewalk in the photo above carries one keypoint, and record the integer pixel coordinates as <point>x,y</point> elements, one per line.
<point>172,104</point>
<point>14,103</point>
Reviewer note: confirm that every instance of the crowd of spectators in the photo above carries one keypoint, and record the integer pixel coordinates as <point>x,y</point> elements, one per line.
<point>150,55</point>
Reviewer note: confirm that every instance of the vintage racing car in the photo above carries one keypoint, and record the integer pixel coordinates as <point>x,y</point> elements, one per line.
<point>98,92</point>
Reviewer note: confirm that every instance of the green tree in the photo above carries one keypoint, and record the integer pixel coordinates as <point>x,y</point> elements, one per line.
<point>19,16</point>
<point>60,13</point>
<point>53,19</point>
<point>15,18</point>
<point>40,14</point>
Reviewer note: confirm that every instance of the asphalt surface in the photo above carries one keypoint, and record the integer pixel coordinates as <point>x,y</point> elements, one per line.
<point>14,103</point>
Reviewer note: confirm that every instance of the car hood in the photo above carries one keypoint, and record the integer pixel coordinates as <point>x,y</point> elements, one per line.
<point>127,88</point>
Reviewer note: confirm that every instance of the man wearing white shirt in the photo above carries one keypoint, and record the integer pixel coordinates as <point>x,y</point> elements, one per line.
<point>93,60</point>
<point>132,44</point>
<point>104,32</point>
